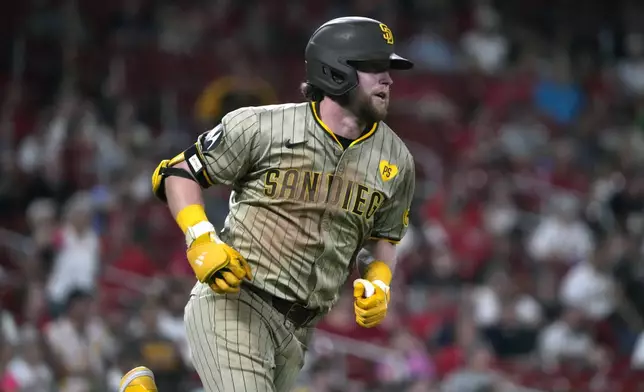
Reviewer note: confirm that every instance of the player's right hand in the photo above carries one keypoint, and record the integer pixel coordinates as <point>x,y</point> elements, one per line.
<point>370,303</point>
<point>217,264</point>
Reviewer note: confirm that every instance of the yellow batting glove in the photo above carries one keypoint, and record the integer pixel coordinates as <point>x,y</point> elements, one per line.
<point>213,261</point>
<point>371,295</point>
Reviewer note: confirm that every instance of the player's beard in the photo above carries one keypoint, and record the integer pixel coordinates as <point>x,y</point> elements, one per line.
<point>368,107</point>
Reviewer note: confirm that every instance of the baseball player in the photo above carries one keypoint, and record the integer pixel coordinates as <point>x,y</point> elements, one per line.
<point>318,188</point>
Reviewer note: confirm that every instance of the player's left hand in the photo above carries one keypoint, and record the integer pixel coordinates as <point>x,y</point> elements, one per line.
<point>370,302</point>
<point>217,264</point>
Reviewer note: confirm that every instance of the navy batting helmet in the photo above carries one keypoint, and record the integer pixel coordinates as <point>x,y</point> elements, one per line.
<point>335,47</point>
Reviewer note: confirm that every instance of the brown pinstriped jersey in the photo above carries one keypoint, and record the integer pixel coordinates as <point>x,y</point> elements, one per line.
<point>302,206</point>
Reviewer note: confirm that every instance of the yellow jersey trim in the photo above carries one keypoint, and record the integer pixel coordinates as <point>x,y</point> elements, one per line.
<point>318,120</point>
<point>203,159</point>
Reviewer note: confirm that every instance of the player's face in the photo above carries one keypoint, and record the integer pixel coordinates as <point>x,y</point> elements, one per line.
<point>370,99</point>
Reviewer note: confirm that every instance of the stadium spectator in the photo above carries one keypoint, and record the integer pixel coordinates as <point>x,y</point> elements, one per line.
<point>79,343</point>
<point>500,297</point>
<point>28,370</point>
<point>569,339</point>
<point>150,345</point>
<point>562,236</point>
<point>78,255</point>
<point>240,87</point>
<point>487,49</point>
<point>477,375</point>
<point>589,287</point>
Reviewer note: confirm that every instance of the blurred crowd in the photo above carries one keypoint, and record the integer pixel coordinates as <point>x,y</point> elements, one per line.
<point>523,266</point>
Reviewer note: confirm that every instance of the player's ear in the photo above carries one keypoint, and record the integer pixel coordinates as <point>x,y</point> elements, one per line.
<point>311,93</point>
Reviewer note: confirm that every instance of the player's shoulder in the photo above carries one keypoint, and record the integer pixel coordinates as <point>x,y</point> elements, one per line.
<point>249,116</point>
<point>257,111</point>
<point>396,142</point>
<point>246,116</point>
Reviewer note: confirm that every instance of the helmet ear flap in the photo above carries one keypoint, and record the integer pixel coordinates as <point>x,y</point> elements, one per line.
<point>337,76</point>
<point>334,79</point>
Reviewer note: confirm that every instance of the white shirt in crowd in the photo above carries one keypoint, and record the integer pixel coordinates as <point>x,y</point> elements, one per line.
<point>558,341</point>
<point>588,290</point>
<point>79,353</point>
<point>553,237</point>
<point>75,266</point>
<point>173,328</point>
<point>489,51</point>
<point>29,377</point>
<point>487,308</point>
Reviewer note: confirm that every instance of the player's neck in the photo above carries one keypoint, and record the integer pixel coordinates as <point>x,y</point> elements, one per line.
<point>340,120</point>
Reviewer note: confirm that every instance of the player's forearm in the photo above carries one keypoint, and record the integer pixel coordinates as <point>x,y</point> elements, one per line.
<point>363,260</point>
<point>374,256</point>
<point>185,199</point>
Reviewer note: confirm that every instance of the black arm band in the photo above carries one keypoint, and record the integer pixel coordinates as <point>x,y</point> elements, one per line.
<point>197,166</point>
<point>176,171</point>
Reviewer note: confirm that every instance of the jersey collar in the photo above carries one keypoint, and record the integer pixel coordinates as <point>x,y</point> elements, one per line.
<point>366,133</point>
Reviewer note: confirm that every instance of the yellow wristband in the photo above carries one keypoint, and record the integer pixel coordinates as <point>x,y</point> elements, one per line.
<point>190,216</point>
<point>378,270</point>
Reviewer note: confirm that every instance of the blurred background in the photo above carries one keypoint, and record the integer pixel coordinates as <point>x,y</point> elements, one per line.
<point>523,267</point>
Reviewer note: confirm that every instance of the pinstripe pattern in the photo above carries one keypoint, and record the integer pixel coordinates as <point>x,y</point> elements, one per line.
<point>240,343</point>
<point>299,216</point>
<point>301,249</point>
